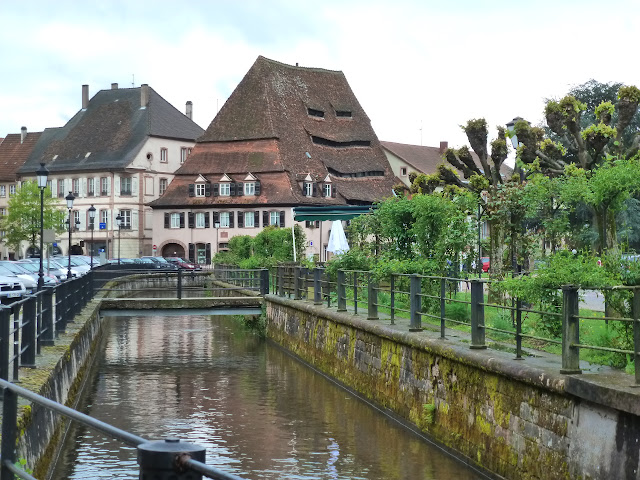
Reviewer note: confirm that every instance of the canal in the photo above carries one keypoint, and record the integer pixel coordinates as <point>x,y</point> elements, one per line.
<point>260,413</point>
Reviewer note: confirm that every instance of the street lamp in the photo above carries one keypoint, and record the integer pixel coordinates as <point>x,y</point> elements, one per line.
<point>69,198</point>
<point>41,175</point>
<point>119,224</point>
<point>92,217</point>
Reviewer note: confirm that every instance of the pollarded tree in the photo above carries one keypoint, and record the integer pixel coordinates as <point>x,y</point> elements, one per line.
<point>22,224</point>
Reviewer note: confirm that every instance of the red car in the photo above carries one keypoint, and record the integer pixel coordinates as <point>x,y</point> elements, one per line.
<point>485,264</point>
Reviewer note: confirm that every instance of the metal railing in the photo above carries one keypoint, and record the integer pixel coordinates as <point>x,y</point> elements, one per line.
<point>413,296</point>
<point>161,459</point>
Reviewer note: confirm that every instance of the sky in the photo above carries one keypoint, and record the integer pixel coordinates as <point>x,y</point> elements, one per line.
<point>420,68</point>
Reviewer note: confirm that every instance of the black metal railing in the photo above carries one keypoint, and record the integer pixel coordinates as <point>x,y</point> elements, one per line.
<point>163,459</point>
<point>414,297</point>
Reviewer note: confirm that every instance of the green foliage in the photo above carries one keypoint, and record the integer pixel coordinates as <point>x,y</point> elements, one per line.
<point>604,112</point>
<point>458,311</point>
<point>241,246</point>
<point>630,94</point>
<point>23,220</point>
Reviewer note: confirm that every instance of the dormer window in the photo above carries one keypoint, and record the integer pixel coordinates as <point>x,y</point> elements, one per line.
<point>326,190</point>
<point>343,113</point>
<point>312,112</point>
<point>200,189</point>
<point>308,189</point>
<point>249,188</point>
<point>225,189</point>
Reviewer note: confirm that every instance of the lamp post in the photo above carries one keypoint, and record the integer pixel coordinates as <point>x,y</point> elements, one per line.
<point>119,224</point>
<point>41,175</point>
<point>69,198</point>
<point>92,217</point>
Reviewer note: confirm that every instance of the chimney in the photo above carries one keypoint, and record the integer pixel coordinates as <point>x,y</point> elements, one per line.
<point>85,96</point>
<point>114,86</point>
<point>23,134</point>
<point>189,110</point>
<point>144,95</point>
<point>443,146</point>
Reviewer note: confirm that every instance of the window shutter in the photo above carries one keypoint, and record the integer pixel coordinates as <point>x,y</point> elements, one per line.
<point>257,188</point>
<point>216,188</point>
<point>216,218</point>
<point>206,220</point>
<point>281,218</point>
<point>265,219</point>
<point>134,186</point>
<point>256,219</point>
<point>134,219</point>
<point>240,189</point>
<point>117,182</point>
<point>192,190</point>
<point>232,189</point>
<point>109,223</point>
<point>54,187</point>
<point>240,219</point>
<point>208,252</point>
<point>333,191</point>
<point>166,220</point>
<point>83,187</point>
<point>207,189</point>
<point>182,220</point>
<point>303,192</point>
<point>108,186</point>
<point>231,215</point>
<point>192,253</point>
<point>315,189</point>
<point>192,220</point>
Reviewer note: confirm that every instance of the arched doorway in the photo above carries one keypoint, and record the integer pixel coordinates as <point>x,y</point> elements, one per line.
<point>173,250</point>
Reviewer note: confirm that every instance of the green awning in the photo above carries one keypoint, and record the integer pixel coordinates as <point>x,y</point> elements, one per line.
<point>347,212</point>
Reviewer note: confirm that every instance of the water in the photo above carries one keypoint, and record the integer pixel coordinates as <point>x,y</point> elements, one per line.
<point>260,413</point>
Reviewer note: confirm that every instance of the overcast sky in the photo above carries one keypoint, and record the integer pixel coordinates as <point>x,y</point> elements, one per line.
<point>419,68</point>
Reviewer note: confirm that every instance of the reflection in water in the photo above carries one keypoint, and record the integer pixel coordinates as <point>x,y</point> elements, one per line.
<point>259,412</point>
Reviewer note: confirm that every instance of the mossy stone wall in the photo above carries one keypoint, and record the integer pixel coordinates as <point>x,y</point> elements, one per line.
<point>506,418</point>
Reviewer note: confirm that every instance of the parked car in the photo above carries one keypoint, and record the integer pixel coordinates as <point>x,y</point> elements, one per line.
<point>162,263</point>
<point>53,267</point>
<point>485,264</point>
<point>34,269</point>
<point>11,289</point>
<point>9,269</point>
<point>77,264</point>
<point>181,263</point>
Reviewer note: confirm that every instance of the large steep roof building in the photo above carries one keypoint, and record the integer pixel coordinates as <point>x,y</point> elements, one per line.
<point>287,136</point>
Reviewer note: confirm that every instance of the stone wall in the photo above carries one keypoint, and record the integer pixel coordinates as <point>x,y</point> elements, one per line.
<point>509,418</point>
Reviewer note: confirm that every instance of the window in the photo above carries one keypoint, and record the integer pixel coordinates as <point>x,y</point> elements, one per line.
<point>3,212</point>
<point>224,219</point>
<point>76,219</point>
<point>91,186</point>
<point>315,113</point>
<point>3,191</point>
<point>61,188</point>
<point>49,184</point>
<point>249,188</point>
<point>125,186</point>
<point>249,219</point>
<point>274,218</point>
<point>200,220</point>
<point>343,113</point>
<point>326,190</point>
<point>403,172</point>
<point>164,155</point>
<point>200,189</point>
<point>12,189</point>
<point>308,189</point>
<point>104,186</point>
<point>104,217</point>
<point>225,189</point>
<point>183,154</point>
<point>163,186</point>
<point>75,186</point>
<point>126,219</point>
<point>175,220</point>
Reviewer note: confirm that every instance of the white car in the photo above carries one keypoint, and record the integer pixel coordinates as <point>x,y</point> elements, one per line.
<point>11,289</point>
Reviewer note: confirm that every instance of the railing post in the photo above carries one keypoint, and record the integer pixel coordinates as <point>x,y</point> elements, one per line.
<point>264,281</point>
<point>5,329</point>
<point>477,315</point>
<point>280,281</point>
<point>9,432</point>
<point>297,283</point>
<point>519,329</point>
<point>61,310</point>
<point>160,459</point>
<point>372,298</point>
<point>342,291</point>
<point>570,330</point>
<point>29,335</point>
<point>636,332</point>
<point>443,310</point>
<point>415,302</point>
<point>317,286</point>
<point>48,331</point>
<point>393,299</point>
<point>179,286</point>
<point>355,293</point>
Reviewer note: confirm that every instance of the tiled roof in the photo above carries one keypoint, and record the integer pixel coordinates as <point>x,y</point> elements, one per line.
<point>295,120</point>
<point>13,154</point>
<point>110,132</point>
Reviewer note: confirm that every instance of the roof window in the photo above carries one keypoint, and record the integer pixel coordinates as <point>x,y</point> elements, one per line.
<point>315,113</point>
<point>343,113</point>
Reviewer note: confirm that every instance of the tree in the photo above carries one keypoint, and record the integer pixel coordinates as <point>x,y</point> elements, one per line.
<point>23,220</point>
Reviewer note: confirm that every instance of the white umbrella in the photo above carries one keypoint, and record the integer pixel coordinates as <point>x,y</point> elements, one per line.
<point>337,240</point>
